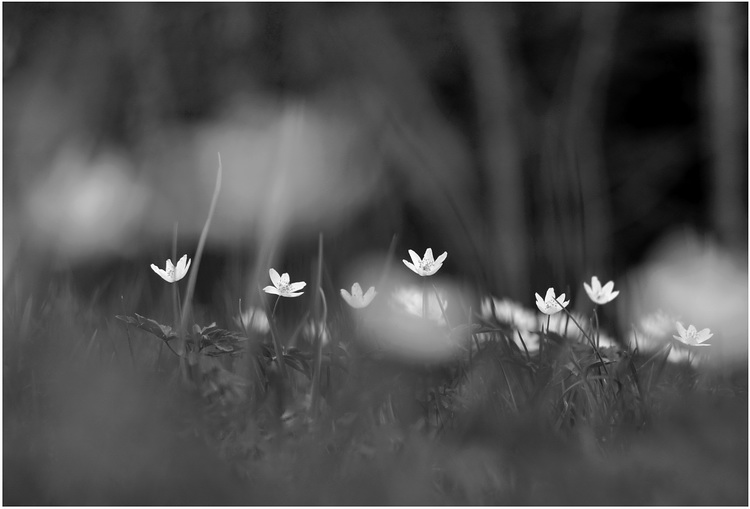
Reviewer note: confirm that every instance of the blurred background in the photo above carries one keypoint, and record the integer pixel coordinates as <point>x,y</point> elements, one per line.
<point>537,144</point>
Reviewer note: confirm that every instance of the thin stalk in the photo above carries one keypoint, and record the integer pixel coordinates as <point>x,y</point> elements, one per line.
<point>523,343</point>
<point>388,258</point>
<point>591,341</point>
<point>318,360</point>
<point>277,345</point>
<point>319,355</point>
<point>442,309</point>
<point>127,333</point>
<point>510,389</point>
<point>596,322</point>
<point>199,254</point>
<point>276,303</point>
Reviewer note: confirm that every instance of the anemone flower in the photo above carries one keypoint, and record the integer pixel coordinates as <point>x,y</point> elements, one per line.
<point>172,274</point>
<point>551,305</point>
<point>282,286</point>
<point>427,266</point>
<point>691,336</point>
<point>356,299</point>
<point>598,293</point>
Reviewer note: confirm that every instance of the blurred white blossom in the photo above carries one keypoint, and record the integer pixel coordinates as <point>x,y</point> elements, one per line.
<point>426,266</point>
<point>691,336</point>
<point>598,293</point>
<point>173,273</point>
<point>356,299</point>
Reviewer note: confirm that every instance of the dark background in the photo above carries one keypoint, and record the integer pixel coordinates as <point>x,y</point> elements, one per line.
<point>536,143</point>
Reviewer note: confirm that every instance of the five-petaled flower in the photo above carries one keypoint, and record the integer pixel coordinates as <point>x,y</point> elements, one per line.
<point>598,293</point>
<point>172,274</point>
<point>282,286</point>
<point>551,305</point>
<point>356,299</point>
<point>691,336</point>
<point>427,266</point>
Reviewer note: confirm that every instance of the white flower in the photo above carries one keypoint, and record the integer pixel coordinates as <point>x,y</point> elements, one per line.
<point>409,299</point>
<point>255,319</point>
<point>282,286</point>
<point>173,274</point>
<point>427,266</point>
<point>598,293</point>
<point>551,305</point>
<point>356,299</point>
<point>691,336</point>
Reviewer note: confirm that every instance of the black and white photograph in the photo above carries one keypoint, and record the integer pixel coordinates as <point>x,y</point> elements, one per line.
<point>375,254</point>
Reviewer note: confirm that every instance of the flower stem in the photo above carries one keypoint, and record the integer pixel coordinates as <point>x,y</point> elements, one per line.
<point>273,313</point>
<point>596,322</point>
<point>318,355</point>
<point>440,304</point>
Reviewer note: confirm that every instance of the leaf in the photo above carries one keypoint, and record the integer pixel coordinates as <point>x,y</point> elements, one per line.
<point>163,332</point>
<point>215,341</point>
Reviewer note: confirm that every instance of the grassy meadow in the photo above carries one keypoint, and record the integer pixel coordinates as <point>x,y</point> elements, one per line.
<point>110,398</point>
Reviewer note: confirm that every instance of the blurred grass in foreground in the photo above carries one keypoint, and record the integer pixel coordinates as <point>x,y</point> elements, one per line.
<point>94,413</point>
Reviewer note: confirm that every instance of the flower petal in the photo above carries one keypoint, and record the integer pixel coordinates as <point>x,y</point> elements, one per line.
<point>161,273</point>
<point>428,256</point>
<point>297,286</point>
<point>550,295</point>
<point>703,335</point>
<point>589,290</point>
<point>275,278</point>
<point>292,294</point>
<point>346,296</point>
<point>441,258</point>
<point>681,329</point>
<point>607,289</point>
<point>356,291</point>
<point>411,266</point>
<point>271,289</point>
<point>595,284</point>
<point>285,278</point>
<point>415,259</point>
<point>369,295</point>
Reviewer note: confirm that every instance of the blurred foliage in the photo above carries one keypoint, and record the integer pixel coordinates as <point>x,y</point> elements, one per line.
<point>533,142</point>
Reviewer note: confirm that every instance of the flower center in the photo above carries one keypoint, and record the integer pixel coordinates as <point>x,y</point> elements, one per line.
<point>426,265</point>
<point>284,288</point>
<point>170,273</point>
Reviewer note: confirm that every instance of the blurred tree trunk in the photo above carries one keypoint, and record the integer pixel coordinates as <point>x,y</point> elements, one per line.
<point>500,152</point>
<point>726,111</point>
<point>575,210</point>
<point>584,132</point>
